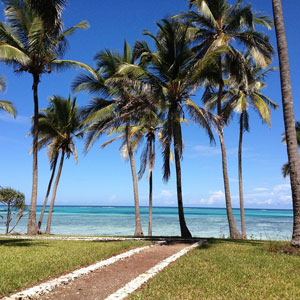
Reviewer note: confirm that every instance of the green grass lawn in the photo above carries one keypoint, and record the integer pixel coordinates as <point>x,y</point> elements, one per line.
<point>226,270</point>
<point>24,262</point>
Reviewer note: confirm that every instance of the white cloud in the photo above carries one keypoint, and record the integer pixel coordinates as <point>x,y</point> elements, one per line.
<point>233,180</point>
<point>278,196</point>
<point>260,202</point>
<point>211,151</point>
<point>166,193</point>
<point>286,198</point>
<point>215,197</point>
<point>19,119</point>
<point>165,197</point>
<point>261,189</point>
<point>282,187</point>
<point>207,151</point>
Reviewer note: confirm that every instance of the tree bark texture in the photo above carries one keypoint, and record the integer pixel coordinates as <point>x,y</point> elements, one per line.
<point>150,206</point>
<point>289,119</point>
<point>138,226</point>
<point>32,227</point>
<point>233,230</point>
<point>150,191</point>
<point>48,229</point>
<point>185,233</point>
<point>48,192</point>
<point>242,210</point>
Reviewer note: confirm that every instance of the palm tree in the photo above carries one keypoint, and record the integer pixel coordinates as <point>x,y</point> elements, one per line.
<point>216,24</point>
<point>128,100</point>
<point>289,118</point>
<point>6,105</point>
<point>147,127</point>
<point>286,167</point>
<point>149,124</point>
<point>172,74</point>
<point>59,124</point>
<point>27,44</point>
<point>50,12</point>
<point>243,90</point>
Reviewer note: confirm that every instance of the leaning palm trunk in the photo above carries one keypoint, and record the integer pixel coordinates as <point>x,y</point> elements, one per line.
<point>32,226</point>
<point>242,211</point>
<point>138,226</point>
<point>48,192</point>
<point>234,232</point>
<point>48,229</point>
<point>185,233</point>
<point>289,119</point>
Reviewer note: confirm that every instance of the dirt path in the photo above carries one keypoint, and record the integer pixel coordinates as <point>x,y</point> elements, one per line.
<point>101,283</point>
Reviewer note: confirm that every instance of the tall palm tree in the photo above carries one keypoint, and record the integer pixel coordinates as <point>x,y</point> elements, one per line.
<point>28,45</point>
<point>286,167</point>
<point>53,164</point>
<point>243,90</point>
<point>128,100</point>
<point>149,125</point>
<point>146,127</point>
<point>289,118</point>
<point>214,24</point>
<point>6,105</point>
<point>171,71</point>
<point>59,124</point>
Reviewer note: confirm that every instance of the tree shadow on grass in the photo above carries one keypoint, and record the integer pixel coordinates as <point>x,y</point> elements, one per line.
<point>213,242</point>
<point>20,243</point>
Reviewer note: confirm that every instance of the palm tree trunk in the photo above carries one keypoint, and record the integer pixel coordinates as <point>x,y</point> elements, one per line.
<point>233,231</point>
<point>150,206</point>
<point>243,223</point>
<point>289,119</point>
<point>138,226</point>
<point>32,227</point>
<point>185,233</point>
<point>150,192</point>
<point>48,229</point>
<point>48,192</point>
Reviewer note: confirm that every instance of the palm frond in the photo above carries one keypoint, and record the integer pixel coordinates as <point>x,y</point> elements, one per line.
<point>8,107</point>
<point>8,53</point>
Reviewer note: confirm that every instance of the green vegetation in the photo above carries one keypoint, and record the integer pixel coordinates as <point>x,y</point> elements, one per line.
<point>24,262</point>
<point>15,204</point>
<point>6,105</point>
<point>59,124</point>
<point>216,46</point>
<point>223,269</point>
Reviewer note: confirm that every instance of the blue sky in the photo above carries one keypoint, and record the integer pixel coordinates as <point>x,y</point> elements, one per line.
<point>101,177</point>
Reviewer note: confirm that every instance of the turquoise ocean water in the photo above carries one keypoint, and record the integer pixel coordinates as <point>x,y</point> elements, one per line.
<point>202,222</point>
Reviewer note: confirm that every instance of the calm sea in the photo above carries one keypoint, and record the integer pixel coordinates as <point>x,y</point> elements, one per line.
<point>202,222</point>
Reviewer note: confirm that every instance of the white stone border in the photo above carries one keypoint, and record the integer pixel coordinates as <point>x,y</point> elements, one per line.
<point>141,279</point>
<point>48,286</point>
<point>70,238</point>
